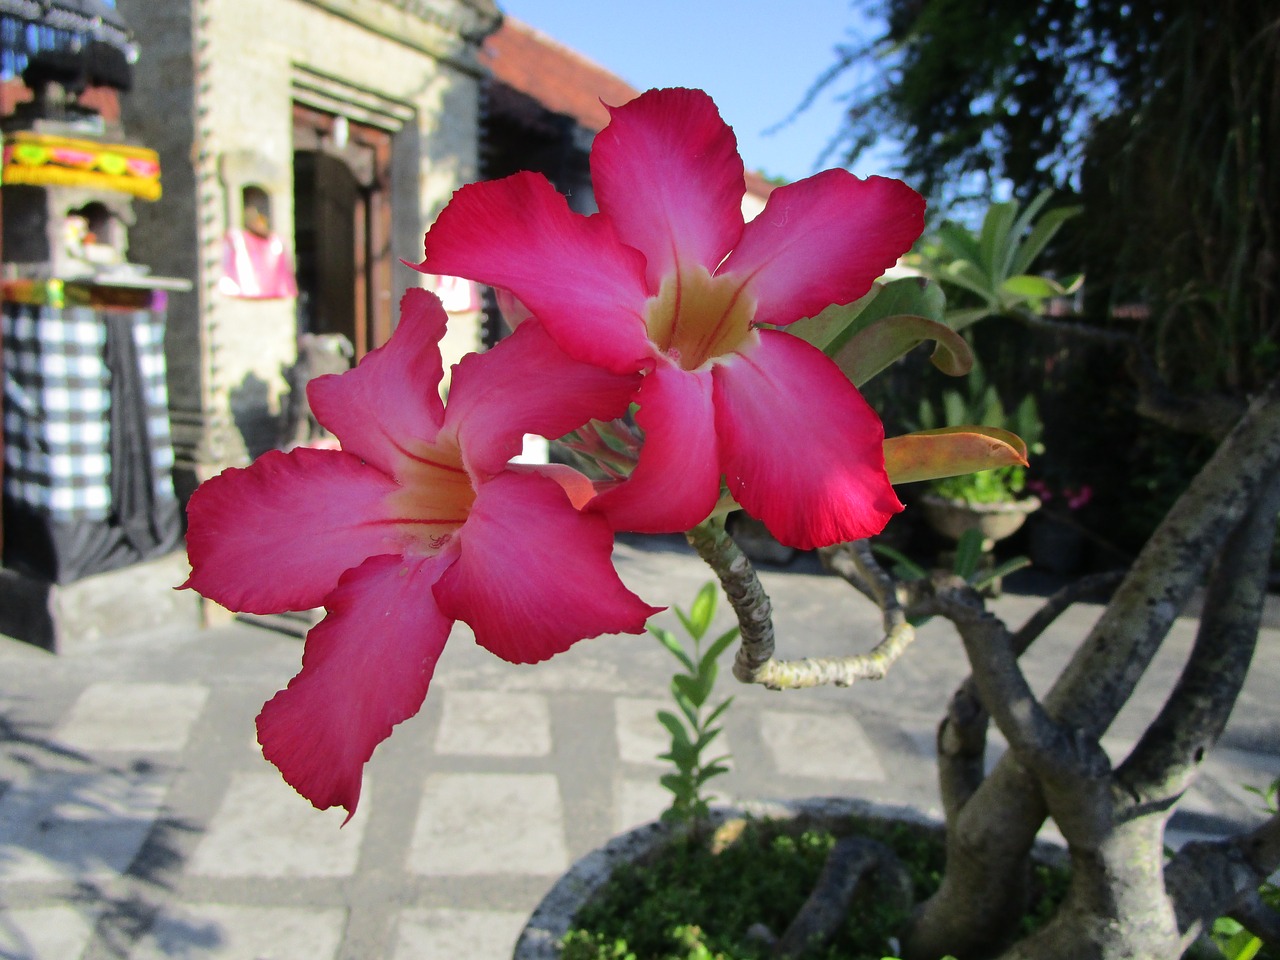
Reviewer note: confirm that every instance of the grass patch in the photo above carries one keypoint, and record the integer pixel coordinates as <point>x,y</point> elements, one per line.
<point>696,898</point>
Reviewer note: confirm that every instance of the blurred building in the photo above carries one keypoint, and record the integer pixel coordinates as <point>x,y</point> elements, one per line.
<point>306,145</point>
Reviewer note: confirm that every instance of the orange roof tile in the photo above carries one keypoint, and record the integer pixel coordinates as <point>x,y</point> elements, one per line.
<point>561,79</point>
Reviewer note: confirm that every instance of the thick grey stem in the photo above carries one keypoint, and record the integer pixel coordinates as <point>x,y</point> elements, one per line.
<point>1208,878</point>
<point>754,662</point>
<point>962,734</point>
<point>851,861</point>
<point>1167,758</point>
<point>989,842</point>
<point>745,593</point>
<point>1101,677</point>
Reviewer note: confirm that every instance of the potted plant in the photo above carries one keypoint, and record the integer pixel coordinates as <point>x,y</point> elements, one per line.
<point>994,502</point>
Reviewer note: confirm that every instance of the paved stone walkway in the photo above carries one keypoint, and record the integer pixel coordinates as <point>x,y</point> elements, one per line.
<point>138,820</point>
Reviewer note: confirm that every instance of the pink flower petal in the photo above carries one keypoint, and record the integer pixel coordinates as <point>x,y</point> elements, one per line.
<point>666,171</point>
<point>824,240</point>
<point>393,393</point>
<point>533,575</point>
<point>526,384</point>
<point>677,482</point>
<point>366,667</point>
<point>568,270</point>
<point>278,534</point>
<point>802,450</point>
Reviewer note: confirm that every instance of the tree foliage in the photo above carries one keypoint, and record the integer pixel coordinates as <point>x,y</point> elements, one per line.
<point>1162,116</point>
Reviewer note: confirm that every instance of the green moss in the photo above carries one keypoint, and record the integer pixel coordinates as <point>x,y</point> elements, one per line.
<point>696,899</point>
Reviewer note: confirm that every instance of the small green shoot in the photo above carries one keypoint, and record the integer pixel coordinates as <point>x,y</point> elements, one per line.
<point>692,731</point>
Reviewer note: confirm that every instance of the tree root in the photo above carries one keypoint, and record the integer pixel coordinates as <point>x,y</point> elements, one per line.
<point>850,861</point>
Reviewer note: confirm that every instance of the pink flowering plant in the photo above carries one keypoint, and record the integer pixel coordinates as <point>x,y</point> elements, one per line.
<point>666,304</point>
<point>700,364</point>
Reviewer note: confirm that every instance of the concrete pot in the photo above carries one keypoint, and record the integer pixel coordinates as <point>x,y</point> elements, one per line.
<point>995,521</point>
<point>551,920</point>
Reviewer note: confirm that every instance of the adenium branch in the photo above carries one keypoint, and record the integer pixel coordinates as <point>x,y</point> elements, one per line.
<point>755,662</point>
<point>1167,758</point>
<point>1101,677</point>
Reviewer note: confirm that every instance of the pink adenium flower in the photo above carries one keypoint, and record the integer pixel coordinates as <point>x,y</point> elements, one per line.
<point>416,522</point>
<point>667,280</point>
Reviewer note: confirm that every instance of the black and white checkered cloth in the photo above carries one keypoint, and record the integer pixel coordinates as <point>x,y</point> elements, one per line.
<point>57,399</point>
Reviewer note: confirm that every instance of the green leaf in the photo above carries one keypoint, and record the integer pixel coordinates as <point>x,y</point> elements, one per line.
<point>680,786</point>
<point>1041,234</point>
<point>965,273</point>
<point>691,688</point>
<point>995,238</point>
<point>1025,286</point>
<point>876,347</point>
<point>968,554</point>
<point>958,241</point>
<point>686,706</point>
<point>831,331</point>
<point>951,451</point>
<point>1029,213</point>
<point>1011,565</point>
<point>717,712</point>
<point>674,727</point>
<point>701,743</point>
<point>704,608</point>
<point>910,569</point>
<point>820,330</point>
<point>709,771</point>
<point>719,646</point>
<point>668,640</point>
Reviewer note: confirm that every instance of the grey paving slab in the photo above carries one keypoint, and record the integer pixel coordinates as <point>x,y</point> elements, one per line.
<point>133,717</point>
<point>489,823</point>
<point>131,792</point>
<point>60,826</point>
<point>452,934</point>
<point>45,933</point>
<point>211,931</point>
<point>818,745</point>
<point>265,829</point>
<point>495,724</point>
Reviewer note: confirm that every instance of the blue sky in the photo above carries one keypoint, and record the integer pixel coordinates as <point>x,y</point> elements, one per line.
<point>757,58</point>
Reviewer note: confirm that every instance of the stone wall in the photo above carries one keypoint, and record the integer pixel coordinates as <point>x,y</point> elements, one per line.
<point>216,83</point>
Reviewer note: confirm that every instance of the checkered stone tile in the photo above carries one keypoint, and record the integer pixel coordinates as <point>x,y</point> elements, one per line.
<point>829,746</point>
<point>134,717</point>
<point>77,826</point>
<point>489,823</point>
<point>44,933</point>
<point>452,934</point>
<point>264,829</point>
<point>488,724</point>
<point>221,932</point>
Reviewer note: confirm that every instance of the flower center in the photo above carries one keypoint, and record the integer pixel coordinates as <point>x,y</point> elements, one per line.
<point>697,317</point>
<point>434,498</point>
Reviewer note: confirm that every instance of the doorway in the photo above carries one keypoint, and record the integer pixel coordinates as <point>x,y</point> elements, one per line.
<point>342,227</point>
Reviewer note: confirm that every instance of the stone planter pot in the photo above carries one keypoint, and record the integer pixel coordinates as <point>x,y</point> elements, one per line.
<point>555,914</point>
<point>995,521</point>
